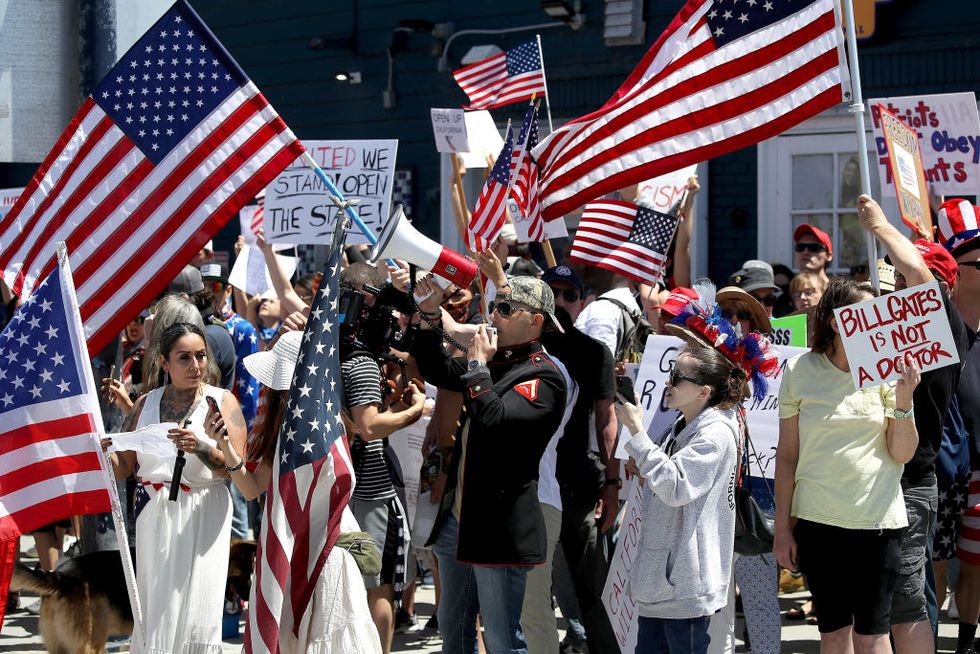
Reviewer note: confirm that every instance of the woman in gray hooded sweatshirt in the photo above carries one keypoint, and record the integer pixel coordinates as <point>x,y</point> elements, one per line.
<point>681,574</point>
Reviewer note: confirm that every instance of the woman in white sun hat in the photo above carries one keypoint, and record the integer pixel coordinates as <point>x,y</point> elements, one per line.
<point>338,619</point>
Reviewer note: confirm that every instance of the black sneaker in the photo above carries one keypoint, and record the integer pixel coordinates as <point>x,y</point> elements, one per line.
<point>433,623</point>
<point>405,623</point>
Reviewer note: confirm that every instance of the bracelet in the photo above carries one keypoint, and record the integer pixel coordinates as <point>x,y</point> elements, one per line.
<point>431,316</point>
<point>241,462</point>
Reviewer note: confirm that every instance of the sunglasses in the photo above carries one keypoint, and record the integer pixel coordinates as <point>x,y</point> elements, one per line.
<point>810,247</point>
<point>728,314</point>
<point>570,294</point>
<point>506,308</point>
<point>768,300</point>
<point>675,378</point>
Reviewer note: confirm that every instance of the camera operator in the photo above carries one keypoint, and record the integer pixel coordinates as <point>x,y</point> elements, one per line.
<point>514,400</point>
<point>374,500</point>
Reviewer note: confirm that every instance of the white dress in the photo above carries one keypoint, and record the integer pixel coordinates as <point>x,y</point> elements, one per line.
<point>181,547</point>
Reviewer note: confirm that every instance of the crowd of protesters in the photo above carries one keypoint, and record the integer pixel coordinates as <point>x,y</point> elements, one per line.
<point>520,381</point>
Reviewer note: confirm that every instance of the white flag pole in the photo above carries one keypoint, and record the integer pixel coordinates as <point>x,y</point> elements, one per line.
<point>857,108</point>
<point>544,78</point>
<point>85,373</point>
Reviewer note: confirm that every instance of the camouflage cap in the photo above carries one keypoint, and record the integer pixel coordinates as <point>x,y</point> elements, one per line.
<point>534,293</point>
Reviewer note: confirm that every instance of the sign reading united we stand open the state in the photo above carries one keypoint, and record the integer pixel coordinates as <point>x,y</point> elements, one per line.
<point>879,333</point>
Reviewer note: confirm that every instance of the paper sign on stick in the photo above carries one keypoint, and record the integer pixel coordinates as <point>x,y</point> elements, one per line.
<point>790,330</point>
<point>8,196</point>
<point>250,273</point>
<point>298,209</point>
<point>662,192</point>
<point>522,225</point>
<point>620,607</point>
<point>906,166</point>
<point>484,139</point>
<point>880,332</point>
<point>949,131</point>
<point>449,127</point>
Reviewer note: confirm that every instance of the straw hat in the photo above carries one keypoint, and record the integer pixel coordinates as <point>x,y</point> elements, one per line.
<point>274,368</point>
<point>759,314</point>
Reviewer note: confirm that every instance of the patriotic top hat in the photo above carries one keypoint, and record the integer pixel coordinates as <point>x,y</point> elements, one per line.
<point>959,224</point>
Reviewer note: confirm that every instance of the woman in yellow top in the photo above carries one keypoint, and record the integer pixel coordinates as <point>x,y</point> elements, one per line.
<point>839,506</point>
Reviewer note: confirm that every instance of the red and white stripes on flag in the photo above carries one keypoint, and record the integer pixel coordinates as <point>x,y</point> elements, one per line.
<point>723,76</point>
<point>511,76</point>
<point>625,238</point>
<point>164,152</point>
<point>525,170</point>
<point>490,212</point>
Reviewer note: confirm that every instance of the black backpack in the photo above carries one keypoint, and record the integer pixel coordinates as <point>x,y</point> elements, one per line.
<point>632,335</point>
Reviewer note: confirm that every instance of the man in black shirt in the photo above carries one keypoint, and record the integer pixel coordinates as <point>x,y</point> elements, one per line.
<point>588,472</point>
<point>914,614</point>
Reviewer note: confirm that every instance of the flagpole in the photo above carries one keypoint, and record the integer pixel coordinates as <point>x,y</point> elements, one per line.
<point>544,79</point>
<point>857,108</point>
<point>118,521</point>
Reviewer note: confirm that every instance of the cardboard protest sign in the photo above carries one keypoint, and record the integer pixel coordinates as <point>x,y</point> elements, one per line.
<point>880,332</point>
<point>620,607</point>
<point>762,416</point>
<point>449,127</point>
<point>902,144</point>
<point>663,192</point>
<point>790,330</point>
<point>298,209</point>
<point>483,137</point>
<point>949,129</point>
<point>8,196</point>
<point>522,225</point>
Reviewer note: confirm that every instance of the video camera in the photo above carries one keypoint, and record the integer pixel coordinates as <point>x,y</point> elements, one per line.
<point>373,328</point>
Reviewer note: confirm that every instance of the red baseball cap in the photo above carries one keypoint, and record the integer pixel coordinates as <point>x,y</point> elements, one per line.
<point>938,260</point>
<point>806,229</point>
<point>679,298</point>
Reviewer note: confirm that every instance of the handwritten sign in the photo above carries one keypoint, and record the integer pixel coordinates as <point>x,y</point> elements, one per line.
<point>902,144</point>
<point>449,127</point>
<point>298,209</point>
<point>8,196</point>
<point>762,415</point>
<point>483,137</point>
<point>878,333</point>
<point>948,126</point>
<point>620,607</point>
<point>790,330</point>
<point>662,192</point>
<point>522,225</point>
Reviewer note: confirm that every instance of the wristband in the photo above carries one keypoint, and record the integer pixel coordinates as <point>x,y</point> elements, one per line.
<point>234,468</point>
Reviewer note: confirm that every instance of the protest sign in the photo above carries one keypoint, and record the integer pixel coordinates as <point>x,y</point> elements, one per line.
<point>949,129</point>
<point>8,196</point>
<point>619,606</point>
<point>522,225</point>
<point>790,330</point>
<point>902,144</point>
<point>878,333</point>
<point>449,127</point>
<point>298,209</point>
<point>762,415</point>
<point>483,138</point>
<point>662,192</point>
<point>250,273</point>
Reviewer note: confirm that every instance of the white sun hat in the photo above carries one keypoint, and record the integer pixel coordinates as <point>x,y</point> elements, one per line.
<point>274,368</point>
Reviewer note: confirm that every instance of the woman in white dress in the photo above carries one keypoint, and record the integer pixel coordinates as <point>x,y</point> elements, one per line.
<point>182,546</point>
<point>337,620</point>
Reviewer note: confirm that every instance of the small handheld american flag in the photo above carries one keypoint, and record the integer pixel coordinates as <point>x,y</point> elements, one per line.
<point>490,212</point>
<point>504,78</point>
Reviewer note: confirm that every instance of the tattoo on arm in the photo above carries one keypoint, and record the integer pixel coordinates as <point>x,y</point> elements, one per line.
<point>129,424</point>
<point>204,455</point>
<point>237,418</point>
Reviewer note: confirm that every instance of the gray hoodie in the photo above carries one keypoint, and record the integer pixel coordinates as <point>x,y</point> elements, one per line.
<point>684,558</point>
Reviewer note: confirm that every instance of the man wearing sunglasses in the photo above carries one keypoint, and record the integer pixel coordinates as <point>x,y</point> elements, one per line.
<point>813,250</point>
<point>756,279</point>
<point>490,527</point>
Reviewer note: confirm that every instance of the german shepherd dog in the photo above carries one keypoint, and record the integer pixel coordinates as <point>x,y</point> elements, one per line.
<point>84,601</point>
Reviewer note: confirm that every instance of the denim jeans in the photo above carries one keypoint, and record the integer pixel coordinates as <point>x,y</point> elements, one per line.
<point>680,636</point>
<point>496,592</point>
<point>239,513</point>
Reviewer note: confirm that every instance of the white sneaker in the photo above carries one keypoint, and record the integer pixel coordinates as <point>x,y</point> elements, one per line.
<point>951,611</point>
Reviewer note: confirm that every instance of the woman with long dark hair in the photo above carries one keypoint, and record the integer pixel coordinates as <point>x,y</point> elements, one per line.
<point>839,506</point>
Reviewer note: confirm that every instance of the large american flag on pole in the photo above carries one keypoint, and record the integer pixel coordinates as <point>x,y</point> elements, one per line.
<point>724,75</point>
<point>504,78</point>
<point>51,462</point>
<point>625,238</point>
<point>490,212</point>
<point>525,170</point>
<point>311,480</point>
<point>167,149</point>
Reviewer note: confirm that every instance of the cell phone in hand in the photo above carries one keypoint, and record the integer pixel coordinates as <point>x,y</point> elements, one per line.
<point>624,387</point>
<point>213,404</point>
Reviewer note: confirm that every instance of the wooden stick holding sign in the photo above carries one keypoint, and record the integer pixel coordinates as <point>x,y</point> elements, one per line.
<point>462,212</point>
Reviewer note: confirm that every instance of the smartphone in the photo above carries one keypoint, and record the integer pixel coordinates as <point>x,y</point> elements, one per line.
<point>624,387</point>
<point>213,404</point>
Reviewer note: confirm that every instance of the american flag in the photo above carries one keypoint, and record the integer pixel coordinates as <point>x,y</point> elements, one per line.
<point>490,212</point>
<point>504,78</point>
<point>724,75</point>
<point>311,481</point>
<point>625,238</point>
<point>167,149</point>
<point>51,463</point>
<point>525,171</point>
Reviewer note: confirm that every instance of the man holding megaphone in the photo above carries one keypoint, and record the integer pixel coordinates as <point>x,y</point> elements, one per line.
<point>514,397</point>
